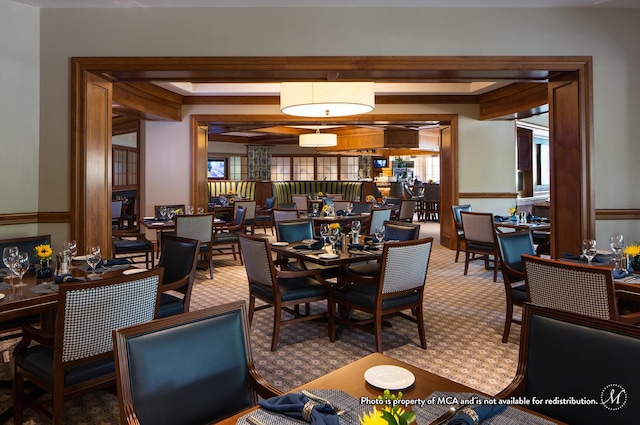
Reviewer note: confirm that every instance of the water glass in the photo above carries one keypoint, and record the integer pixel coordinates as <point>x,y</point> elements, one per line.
<point>355,230</point>
<point>19,266</point>
<point>325,231</point>
<point>589,249</point>
<point>350,208</point>
<point>93,258</point>
<point>379,232</point>
<point>9,254</point>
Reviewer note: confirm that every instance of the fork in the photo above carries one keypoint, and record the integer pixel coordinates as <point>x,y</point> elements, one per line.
<point>314,397</point>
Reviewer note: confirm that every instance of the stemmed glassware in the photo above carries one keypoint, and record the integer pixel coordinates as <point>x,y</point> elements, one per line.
<point>349,208</point>
<point>333,238</point>
<point>617,245</point>
<point>589,249</point>
<point>9,254</point>
<point>384,200</point>
<point>355,231</point>
<point>19,266</point>
<point>315,208</point>
<point>379,232</point>
<point>163,212</point>
<point>93,258</point>
<point>71,249</point>
<point>325,231</point>
<point>171,213</point>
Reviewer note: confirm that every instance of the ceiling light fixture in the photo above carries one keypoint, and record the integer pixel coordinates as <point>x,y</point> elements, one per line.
<point>317,139</point>
<point>326,99</point>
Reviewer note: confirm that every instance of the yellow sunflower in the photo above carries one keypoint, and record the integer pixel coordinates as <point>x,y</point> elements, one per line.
<point>44,251</point>
<point>373,418</point>
<point>632,250</point>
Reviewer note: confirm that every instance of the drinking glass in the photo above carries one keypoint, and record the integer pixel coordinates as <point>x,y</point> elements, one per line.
<point>589,249</point>
<point>315,208</point>
<point>163,212</point>
<point>19,266</point>
<point>384,200</point>
<point>355,229</point>
<point>171,213</point>
<point>325,231</point>
<point>333,238</point>
<point>349,208</point>
<point>93,258</point>
<point>71,247</point>
<point>617,245</point>
<point>379,232</point>
<point>9,254</point>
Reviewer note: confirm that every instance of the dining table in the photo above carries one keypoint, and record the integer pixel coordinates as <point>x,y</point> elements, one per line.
<point>343,220</point>
<point>355,388</point>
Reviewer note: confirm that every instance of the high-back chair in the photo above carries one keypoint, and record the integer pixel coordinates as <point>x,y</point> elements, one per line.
<point>301,202</point>
<point>225,236</point>
<point>457,220</point>
<point>116,215</point>
<point>407,210</point>
<point>284,214</point>
<point>294,230</point>
<point>195,379</point>
<point>179,259</point>
<point>362,207</point>
<point>566,356</point>
<point>378,217</point>
<point>511,247</point>
<point>79,356</point>
<point>249,214</point>
<point>576,288</point>
<point>480,243</point>
<point>264,215</point>
<point>200,228</point>
<point>282,290</point>
<point>401,231</point>
<point>341,205</point>
<point>398,287</point>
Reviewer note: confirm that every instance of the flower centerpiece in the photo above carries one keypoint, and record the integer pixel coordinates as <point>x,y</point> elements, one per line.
<point>335,227</point>
<point>325,210</point>
<point>320,194</point>
<point>44,253</point>
<point>633,255</point>
<point>390,414</point>
<point>371,198</point>
<point>513,211</point>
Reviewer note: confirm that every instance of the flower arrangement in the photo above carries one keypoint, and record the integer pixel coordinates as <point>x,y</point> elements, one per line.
<point>335,227</point>
<point>325,209</point>
<point>390,414</point>
<point>44,252</point>
<point>371,198</point>
<point>320,194</point>
<point>513,210</point>
<point>632,250</point>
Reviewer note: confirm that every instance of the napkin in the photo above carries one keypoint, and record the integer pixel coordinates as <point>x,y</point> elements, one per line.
<point>113,262</point>
<point>620,273</point>
<point>597,259</point>
<point>292,405</point>
<point>66,278</point>
<point>465,416</point>
<point>316,245</point>
<point>500,218</point>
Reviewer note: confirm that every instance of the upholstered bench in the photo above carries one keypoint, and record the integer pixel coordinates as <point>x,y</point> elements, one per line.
<point>246,189</point>
<point>282,191</point>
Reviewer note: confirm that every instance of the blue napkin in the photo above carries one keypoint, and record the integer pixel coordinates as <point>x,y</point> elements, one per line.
<point>500,219</point>
<point>619,274</point>
<point>597,259</point>
<point>67,278</point>
<point>316,245</point>
<point>483,412</point>
<point>292,404</point>
<point>113,262</point>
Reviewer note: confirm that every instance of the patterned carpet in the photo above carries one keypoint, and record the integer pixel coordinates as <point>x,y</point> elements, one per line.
<point>464,320</point>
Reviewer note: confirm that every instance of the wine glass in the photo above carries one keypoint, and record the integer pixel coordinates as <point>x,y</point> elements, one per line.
<point>379,232</point>
<point>315,208</point>
<point>617,245</point>
<point>384,200</point>
<point>71,248</point>
<point>171,213</point>
<point>333,238</point>
<point>589,249</point>
<point>355,230</point>
<point>349,208</point>
<point>93,258</point>
<point>163,212</point>
<point>325,231</point>
<point>9,254</point>
<point>19,266</point>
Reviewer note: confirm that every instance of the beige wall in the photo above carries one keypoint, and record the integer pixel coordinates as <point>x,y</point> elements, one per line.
<point>610,36</point>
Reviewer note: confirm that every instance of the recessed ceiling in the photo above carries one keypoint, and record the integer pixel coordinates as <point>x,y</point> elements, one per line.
<point>531,4</point>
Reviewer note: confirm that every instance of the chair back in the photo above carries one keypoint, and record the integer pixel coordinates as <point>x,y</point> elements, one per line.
<point>240,215</point>
<point>284,214</point>
<point>335,196</point>
<point>457,209</point>
<point>478,227</point>
<point>401,231</point>
<point>294,230</point>
<point>362,207</point>
<point>270,203</point>
<point>301,202</point>
<point>407,209</point>
<point>575,288</point>
<point>558,355</point>
<point>287,206</point>
<point>378,217</point>
<point>198,227</point>
<point>179,258</point>
<point>88,312</point>
<point>341,205</point>
<point>327,201</point>
<point>404,265</point>
<point>176,371</point>
<point>116,210</point>
<point>260,269</point>
<point>250,209</point>
<point>512,246</point>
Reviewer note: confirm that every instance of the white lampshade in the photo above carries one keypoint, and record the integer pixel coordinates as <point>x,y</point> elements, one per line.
<point>326,99</point>
<point>317,139</point>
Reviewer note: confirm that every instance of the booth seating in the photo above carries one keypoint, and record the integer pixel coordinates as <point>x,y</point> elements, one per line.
<point>283,191</point>
<point>244,189</point>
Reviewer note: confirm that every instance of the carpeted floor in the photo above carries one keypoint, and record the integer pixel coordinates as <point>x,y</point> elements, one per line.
<point>464,320</point>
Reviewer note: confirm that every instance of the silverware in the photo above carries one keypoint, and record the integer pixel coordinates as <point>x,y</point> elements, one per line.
<point>451,412</point>
<point>312,396</point>
<point>254,421</point>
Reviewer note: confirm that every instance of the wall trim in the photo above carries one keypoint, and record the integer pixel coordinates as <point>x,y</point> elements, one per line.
<point>488,195</point>
<point>35,218</point>
<point>617,214</point>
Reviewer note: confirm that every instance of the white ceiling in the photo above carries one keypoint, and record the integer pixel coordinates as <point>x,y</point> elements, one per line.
<point>625,4</point>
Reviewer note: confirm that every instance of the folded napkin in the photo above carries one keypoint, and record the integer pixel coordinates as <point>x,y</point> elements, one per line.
<point>500,218</point>
<point>295,406</point>
<point>316,245</point>
<point>341,213</point>
<point>597,259</point>
<point>67,278</point>
<point>475,415</point>
<point>113,262</point>
<point>620,273</point>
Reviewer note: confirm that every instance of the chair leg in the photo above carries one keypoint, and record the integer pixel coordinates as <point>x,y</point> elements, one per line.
<point>276,327</point>
<point>378,333</point>
<point>331,309</point>
<point>457,248</point>
<point>507,322</point>
<point>210,267</point>
<point>466,262</point>
<point>419,313</point>
<point>18,398</point>
<point>58,408</point>
<point>252,307</point>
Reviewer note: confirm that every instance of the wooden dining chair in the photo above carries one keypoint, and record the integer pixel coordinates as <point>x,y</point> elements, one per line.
<point>264,215</point>
<point>282,290</point>
<point>200,228</point>
<point>195,379</point>
<point>284,214</point>
<point>301,202</point>
<point>398,287</point>
<point>406,211</point>
<point>480,242</point>
<point>249,214</point>
<point>78,357</point>
<point>457,220</point>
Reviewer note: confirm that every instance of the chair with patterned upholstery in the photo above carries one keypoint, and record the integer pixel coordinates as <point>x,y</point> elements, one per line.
<point>576,288</point>
<point>200,228</point>
<point>511,247</point>
<point>282,290</point>
<point>179,260</point>
<point>480,241</point>
<point>406,211</point>
<point>78,358</point>
<point>457,220</point>
<point>362,207</point>
<point>280,214</point>
<point>398,287</point>
<point>194,379</point>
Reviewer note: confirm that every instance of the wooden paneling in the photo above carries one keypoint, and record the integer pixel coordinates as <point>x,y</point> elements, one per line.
<point>147,101</point>
<point>448,181</point>
<point>518,100</point>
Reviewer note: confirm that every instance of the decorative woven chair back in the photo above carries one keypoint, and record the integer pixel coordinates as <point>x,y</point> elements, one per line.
<point>405,265</point>
<point>284,214</point>
<point>577,289</point>
<point>91,312</point>
<point>199,227</point>
<point>250,209</point>
<point>478,227</point>
<point>378,217</point>
<point>258,264</point>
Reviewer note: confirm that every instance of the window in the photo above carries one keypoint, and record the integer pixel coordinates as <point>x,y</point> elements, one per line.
<point>327,167</point>
<point>432,172</point>
<point>542,172</point>
<point>280,168</point>
<point>125,167</point>
<point>303,168</point>
<point>349,168</point>
<point>238,168</point>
